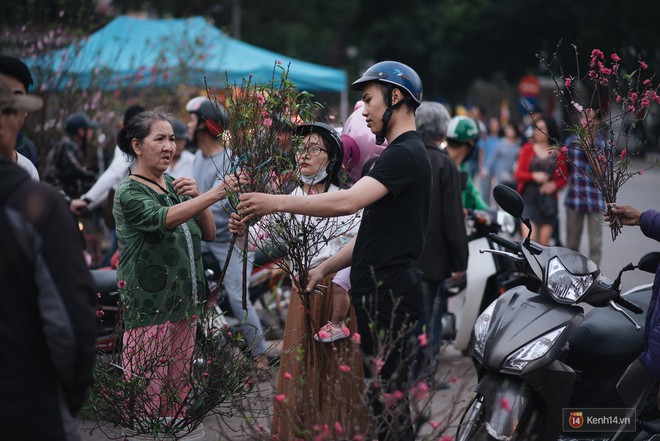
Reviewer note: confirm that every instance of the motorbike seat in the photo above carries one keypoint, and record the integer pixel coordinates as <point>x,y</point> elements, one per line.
<point>607,338</point>
<point>105,282</point>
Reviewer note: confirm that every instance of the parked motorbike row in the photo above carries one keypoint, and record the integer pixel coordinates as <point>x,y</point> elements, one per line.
<point>268,285</point>
<point>548,355</point>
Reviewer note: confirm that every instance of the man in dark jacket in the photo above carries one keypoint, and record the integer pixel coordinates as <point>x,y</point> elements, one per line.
<point>65,163</point>
<point>47,322</point>
<point>445,251</point>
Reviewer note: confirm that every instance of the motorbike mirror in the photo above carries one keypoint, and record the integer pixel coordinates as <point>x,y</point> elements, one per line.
<point>509,200</point>
<point>649,262</point>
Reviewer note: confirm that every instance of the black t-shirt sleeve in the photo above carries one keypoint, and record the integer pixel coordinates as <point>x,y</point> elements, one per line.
<point>395,169</point>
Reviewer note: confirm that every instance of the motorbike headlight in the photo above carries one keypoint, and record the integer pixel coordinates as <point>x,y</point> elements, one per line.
<point>481,327</point>
<point>532,351</point>
<point>564,286</point>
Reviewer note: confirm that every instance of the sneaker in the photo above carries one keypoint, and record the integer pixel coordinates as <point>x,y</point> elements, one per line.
<point>331,332</point>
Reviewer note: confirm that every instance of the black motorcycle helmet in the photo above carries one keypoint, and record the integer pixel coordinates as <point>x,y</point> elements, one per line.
<point>393,75</point>
<point>333,143</point>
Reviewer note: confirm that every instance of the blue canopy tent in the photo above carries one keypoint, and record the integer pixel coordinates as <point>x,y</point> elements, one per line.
<point>139,52</point>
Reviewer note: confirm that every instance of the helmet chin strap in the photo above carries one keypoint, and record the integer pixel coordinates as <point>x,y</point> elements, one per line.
<point>380,138</point>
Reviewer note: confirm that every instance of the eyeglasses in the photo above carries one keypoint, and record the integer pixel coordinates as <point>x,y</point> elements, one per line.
<point>312,149</point>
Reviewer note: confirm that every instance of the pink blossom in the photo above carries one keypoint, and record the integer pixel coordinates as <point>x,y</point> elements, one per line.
<point>98,295</point>
<point>641,172</point>
<point>358,437</point>
<point>287,375</point>
<point>645,102</point>
<point>564,149</point>
<point>603,81</point>
<point>446,438</point>
<point>121,284</point>
<point>601,158</point>
<point>268,122</point>
<point>338,428</point>
<point>597,53</point>
<point>279,61</point>
<point>593,75</point>
<point>615,57</point>
<point>623,154</point>
<point>205,374</point>
<point>344,368</point>
<point>398,395</point>
<point>434,424</point>
<point>646,82</point>
<point>643,65</point>
<point>420,390</point>
<point>504,402</point>
<point>618,98</point>
<point>280,398</point>
<point>604,70</point>
<point>631,108</point>
<point>387,399</point>
<point>100,313</point>
<point>567,82</point>
<point>422,340</point>
<point>356,338</point>
<point>633,96</point>
<point>577,106</point>
<point>261,99</point>
<point>379,362</point>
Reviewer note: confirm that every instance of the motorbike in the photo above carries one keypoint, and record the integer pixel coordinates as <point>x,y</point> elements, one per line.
<point>487,276</point>
<point>546,358</point>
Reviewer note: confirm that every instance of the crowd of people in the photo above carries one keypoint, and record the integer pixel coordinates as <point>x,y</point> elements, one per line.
<point>171,221</point>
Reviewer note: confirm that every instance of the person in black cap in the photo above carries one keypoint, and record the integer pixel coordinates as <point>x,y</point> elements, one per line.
<point>65,163</point>
<point>47,322</point>
<point>19,79</point>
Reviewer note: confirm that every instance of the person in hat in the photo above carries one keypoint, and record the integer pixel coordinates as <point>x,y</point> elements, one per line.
<point>318,392</point>
<point>47,322</point>
<point>386,285</point>
<point>65,163</point>
<point>207,122</point>
<point>19,79</point>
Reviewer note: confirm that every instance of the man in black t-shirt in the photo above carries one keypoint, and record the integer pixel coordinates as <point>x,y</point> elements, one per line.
<point>395,194</point>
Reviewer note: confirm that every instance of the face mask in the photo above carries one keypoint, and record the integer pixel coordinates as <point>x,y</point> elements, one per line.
<point>315,178</point>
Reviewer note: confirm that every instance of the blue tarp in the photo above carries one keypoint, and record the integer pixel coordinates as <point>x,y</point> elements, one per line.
<point>130,52</point>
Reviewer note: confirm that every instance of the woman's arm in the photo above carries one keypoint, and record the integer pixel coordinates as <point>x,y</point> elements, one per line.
<point>199,204</point>
<point>523,175</point>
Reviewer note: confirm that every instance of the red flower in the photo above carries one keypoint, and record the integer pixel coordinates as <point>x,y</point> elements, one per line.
<point>280,398</point>
<point>344,368</point>
<point>121,284</point>
<point>615,57</point>
<point>422,340</point>
<point>100,313</point>
<point>643,65</point>
<point>356,338</point>
<point>567,82</point>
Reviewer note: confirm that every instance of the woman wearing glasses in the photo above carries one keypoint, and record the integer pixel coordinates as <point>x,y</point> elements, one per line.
<point>320,382</point>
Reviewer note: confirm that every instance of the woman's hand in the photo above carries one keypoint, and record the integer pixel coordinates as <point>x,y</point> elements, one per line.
<point>627,215</point>
<point>186,187</point>
<point>314,277</point>
<point>236,226</point>
<point>548,188</point>
<point>540,177</point>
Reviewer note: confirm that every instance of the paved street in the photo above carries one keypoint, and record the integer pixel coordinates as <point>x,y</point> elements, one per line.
<point>642,192</point>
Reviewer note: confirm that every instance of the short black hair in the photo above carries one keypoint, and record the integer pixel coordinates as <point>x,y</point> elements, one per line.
<point>13,67</point>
